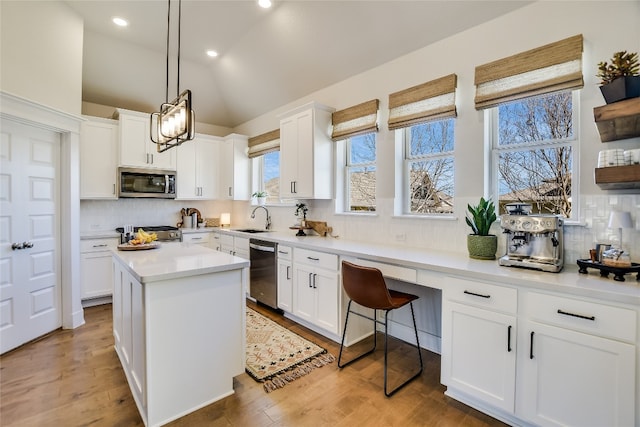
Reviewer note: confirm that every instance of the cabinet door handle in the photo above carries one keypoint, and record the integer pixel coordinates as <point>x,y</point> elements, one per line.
<point>288,272</point>
<point>581,316</point>
<point>531,347</point>
<point>291,187</point>
<point>314,281</point>
<point>477,295</point>
<point>114,189</point>
<point>152,159</point>
<point>310,274</point>
<point>229,191</point>
<point>509,339</point>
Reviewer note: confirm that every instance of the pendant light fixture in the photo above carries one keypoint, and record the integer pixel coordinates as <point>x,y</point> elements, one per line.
<point>175,122</point>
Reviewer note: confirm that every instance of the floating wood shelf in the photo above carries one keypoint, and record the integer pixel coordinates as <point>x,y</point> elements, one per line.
<point>620,120</point>
<point>618,177</point>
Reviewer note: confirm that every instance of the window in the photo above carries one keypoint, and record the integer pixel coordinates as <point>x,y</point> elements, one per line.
<point>429,168</point>
<point>267,168</point>
<point>360,173</point>
<point>532,152</point>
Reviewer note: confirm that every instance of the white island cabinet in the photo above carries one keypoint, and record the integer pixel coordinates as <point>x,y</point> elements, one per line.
<point>179,326</point>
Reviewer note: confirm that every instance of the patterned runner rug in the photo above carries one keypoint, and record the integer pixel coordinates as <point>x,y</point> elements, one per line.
<point>276,356</point>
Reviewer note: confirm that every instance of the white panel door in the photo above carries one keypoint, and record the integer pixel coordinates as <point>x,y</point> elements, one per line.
<point>30,265</point>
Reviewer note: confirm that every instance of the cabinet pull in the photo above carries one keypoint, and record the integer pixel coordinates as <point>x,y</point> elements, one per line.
<point>152,159</point>
<point>310,274</point>
<point>114,189</point>
<point>100,246</point>
<point>509,339</point>
<point>196,238</point>
<point>581,316</point>
<point>291,187</point>
<point>314,281</point>
<point>477,295</point>
<point>288,270</point>
<point>313,259</point>
<point>283,252</point>
<point>229,191</point>
<point>531,347</point>
<point>295,190</point>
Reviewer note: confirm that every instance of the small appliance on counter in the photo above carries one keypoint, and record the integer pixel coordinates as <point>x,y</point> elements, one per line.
<point>533,241</point>
<point>166,233</point>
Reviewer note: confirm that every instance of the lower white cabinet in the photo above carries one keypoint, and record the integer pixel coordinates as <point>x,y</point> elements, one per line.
<point>576,363</point>
<point>200,237</point>
<point>95,267</point>
<point>316,289</point>
<point>285,278</point>
<point>234,245</point>
<point>541,359</point>
<point>479,341</point>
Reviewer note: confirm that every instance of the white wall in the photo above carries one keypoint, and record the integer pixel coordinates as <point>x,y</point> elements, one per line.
<point>529,27</point>
<point>41,45</point>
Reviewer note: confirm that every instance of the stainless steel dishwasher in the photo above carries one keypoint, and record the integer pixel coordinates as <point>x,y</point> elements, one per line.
<point>263,284</point>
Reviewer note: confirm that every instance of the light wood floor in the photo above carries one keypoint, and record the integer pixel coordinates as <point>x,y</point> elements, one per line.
<point>73,378</point>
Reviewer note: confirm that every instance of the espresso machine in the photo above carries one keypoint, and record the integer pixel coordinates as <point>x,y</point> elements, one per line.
<point>533,241</point>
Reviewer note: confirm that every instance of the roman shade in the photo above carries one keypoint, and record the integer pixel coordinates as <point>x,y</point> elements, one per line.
<point>432,100</point>
<point>356,120</point>
<point>549,68</point>
<point>264,143</point>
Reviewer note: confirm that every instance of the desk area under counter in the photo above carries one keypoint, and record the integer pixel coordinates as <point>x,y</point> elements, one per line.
<point>509,337</point>
<point>179,326</point>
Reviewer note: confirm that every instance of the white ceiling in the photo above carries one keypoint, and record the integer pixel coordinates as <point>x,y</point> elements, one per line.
<point>268,58</point>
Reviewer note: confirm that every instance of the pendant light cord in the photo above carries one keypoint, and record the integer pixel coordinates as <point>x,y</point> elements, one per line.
<point>166,91</point>
<point>179,31</point>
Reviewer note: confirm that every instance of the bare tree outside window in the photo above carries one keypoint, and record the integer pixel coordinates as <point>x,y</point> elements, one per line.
<point>534,153</point>
<point>361,173</point>
<point>429,167</point>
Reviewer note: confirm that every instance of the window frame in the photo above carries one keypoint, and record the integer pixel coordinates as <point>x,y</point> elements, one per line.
<point>406,161</point>
<point>493,151</point>
<point>347,167</point>
<point>257,179</point>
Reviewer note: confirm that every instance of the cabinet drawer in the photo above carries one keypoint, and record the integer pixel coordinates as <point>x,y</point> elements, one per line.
<point>196,237</point>
<point>98,245</point>
<point>284,252</point>
<point>584,316</point>
<point>318,259</point>
<point>225,239</point>
<point>481,294</point>
<point>389,270</point>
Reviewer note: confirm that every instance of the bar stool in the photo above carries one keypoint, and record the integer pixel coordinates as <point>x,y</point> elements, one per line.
<point>367,287</point>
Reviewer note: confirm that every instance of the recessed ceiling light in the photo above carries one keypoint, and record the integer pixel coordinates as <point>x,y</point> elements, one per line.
<point>212,53</point>
<point>266,4</point>
<point>120,22</point>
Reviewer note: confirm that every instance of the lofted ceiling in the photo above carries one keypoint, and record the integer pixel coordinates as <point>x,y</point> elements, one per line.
<point>267,57</point>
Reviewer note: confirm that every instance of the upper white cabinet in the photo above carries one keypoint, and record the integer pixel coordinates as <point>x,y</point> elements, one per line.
<point>197,168</point>
<point>306,153</point>
<point>98,158</point>
<point>234,165</point>
<point>136,147</point>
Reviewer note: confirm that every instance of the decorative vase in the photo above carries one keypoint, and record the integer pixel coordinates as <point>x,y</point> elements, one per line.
<point>621,88</point>
<point>261,200</point>
<point>482,247</point>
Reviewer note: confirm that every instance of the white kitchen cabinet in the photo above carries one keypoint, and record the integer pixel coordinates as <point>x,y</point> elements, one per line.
<point>234,245</point>
<point>136,147</point>
<point>576,363</point>
<point>197,237</point>
<point>306,153</point>
<point>96,276</point>
<point>215,241</point>
<point>479,341</point>
<point>234,168</point>
<point>197,168</point>
<point>316,290</point>
<point>98,158</point>
<point>285,278</point>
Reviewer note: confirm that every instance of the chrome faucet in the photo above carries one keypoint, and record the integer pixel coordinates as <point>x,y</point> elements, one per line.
<point>267,225</point>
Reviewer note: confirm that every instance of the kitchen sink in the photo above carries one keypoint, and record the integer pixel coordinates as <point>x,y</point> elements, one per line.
<point>252,230</point>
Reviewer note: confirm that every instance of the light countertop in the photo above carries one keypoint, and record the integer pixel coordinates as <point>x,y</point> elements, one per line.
<point>568,281</point>
<point>173,260</point>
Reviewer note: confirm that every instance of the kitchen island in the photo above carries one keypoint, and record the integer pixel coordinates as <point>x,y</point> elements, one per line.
<point>179,326</point>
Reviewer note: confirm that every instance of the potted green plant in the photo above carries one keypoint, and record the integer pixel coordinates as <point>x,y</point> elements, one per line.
<point>481,244</point>
<point>261,197</point>
<point>301,210</point>
<point>621,78</point>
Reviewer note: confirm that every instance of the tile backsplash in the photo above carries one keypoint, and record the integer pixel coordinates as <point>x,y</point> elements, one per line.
<point>382,227</point>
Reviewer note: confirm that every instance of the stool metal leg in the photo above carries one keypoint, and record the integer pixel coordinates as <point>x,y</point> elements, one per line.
<point>417,374</point>
<point>344,333</point>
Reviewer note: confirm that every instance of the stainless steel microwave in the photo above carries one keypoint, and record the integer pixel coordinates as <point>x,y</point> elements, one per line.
<point>149,183</point>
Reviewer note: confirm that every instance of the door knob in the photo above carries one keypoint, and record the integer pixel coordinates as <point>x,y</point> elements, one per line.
<point>23,245</point>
